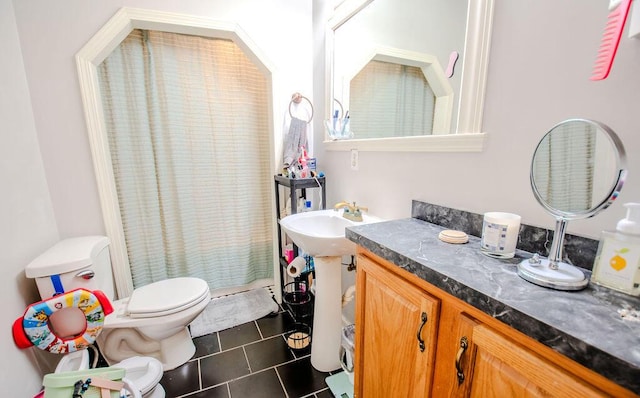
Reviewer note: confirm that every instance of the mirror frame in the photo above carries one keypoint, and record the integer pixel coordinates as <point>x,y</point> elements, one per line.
<point>475,60</point>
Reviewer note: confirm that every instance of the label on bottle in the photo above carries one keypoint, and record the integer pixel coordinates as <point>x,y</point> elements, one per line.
<point>617,265</point>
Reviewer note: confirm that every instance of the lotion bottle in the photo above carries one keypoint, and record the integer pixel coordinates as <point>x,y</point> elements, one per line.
<point>617,263</point>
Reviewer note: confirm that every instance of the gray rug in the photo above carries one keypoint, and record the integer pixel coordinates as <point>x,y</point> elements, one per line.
<point>236,309</point>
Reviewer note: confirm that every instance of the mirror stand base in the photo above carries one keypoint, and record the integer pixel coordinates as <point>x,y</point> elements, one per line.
<point>566,277</point>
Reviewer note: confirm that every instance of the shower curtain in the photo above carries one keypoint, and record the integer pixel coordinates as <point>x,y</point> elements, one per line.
<point>572,149</point>
<point>391,98</point>
<point>187,120</point>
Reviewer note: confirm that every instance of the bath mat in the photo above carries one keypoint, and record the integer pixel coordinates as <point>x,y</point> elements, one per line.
<point>233,310</point>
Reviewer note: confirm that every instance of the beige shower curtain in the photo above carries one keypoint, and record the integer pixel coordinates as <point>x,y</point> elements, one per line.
<point>187,119</point>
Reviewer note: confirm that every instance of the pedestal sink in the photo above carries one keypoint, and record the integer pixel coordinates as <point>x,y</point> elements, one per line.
<point>320,234</point>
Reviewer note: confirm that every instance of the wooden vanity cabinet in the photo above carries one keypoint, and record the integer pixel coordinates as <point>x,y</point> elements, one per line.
<point>398,333</point>
<point>467,353</point>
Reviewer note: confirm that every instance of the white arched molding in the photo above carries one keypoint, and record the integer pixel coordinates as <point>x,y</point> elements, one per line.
<point>87,61</point>
<point>433,74</point>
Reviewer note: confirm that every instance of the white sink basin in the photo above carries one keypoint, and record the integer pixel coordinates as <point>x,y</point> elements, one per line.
<point>320,233</point>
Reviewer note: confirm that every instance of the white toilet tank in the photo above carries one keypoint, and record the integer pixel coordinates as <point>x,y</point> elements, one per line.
<point>73,263</point>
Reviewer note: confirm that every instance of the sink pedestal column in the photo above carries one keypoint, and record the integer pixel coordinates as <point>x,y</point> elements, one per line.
<point>327,315</point>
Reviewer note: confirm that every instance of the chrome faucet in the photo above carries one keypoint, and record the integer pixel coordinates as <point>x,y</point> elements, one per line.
<point>351,211</point>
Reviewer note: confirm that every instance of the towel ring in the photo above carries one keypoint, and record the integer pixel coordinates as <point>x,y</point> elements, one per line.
<point>297,98</point>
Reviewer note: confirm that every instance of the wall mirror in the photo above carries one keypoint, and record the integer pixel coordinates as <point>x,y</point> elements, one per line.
<point>577,170</point>
<point>421,34</point>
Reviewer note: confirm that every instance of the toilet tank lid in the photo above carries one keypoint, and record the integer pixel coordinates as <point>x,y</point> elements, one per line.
<point>66,256</point>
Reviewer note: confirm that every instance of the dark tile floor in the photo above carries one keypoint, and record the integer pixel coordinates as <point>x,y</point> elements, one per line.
<point>248,361</point>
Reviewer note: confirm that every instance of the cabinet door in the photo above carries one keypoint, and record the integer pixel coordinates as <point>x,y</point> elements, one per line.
<point>505,368</point>
<point>456,353</point>
<point>396,325</point>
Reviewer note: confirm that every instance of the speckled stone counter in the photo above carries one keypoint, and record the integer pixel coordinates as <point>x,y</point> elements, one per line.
<point>585,326</point>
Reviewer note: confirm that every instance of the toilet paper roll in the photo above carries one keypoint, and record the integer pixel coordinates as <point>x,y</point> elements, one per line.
<point>294,269</point>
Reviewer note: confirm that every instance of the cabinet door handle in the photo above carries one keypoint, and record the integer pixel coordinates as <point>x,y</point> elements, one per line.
<point>423,317</point>
<point>464,343</point>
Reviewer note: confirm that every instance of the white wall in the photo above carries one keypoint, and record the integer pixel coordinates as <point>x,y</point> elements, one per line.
<point>541,59</point>
<point>52,32</point>
<point>27,224</point>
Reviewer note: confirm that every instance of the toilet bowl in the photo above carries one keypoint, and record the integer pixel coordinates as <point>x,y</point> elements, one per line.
<point>143,373</point>
<point>77,360</point>
<point>151,322</point>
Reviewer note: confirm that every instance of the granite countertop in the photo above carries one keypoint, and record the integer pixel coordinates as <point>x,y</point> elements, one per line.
<point>585,326</point>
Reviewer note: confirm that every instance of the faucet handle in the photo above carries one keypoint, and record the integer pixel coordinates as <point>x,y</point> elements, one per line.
<point>350,207</point>
<point>351,211</point>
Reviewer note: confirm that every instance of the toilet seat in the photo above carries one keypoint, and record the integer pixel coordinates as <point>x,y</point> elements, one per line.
<point>166,297</point>
<point>144,372</point>
<point>33,327</point>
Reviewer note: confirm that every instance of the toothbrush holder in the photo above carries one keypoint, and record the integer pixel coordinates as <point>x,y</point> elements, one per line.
<point>339,129</point>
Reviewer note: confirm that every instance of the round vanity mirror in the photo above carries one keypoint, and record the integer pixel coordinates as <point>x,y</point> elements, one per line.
<point>577,170</point>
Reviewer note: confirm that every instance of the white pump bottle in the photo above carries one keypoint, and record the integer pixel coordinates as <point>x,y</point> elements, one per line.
<point>617,264</point>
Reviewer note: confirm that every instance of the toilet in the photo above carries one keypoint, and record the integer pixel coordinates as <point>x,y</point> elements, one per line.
<point>144,373</point>
<point>152,322</point>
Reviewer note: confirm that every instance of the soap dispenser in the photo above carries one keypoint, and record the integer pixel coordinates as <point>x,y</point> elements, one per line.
<point>617,263</point>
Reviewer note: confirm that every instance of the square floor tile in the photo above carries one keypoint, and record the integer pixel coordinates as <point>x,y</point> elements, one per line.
<point>216,392</point>
<point>258,385</point>
<point>181,380</point>
<point>325,394</point>
<point>206,345</point>
<point>300,378</point>
<point>274,325</point>
<point>267,353</point>
<point>222,367</point>
<point>239,335</point>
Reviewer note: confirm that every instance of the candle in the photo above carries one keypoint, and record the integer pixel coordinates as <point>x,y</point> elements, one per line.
<point>500,234</point>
